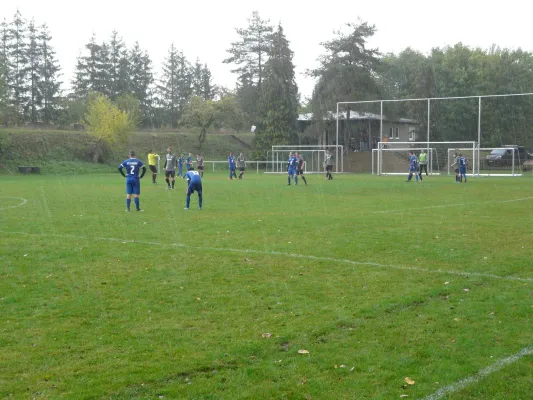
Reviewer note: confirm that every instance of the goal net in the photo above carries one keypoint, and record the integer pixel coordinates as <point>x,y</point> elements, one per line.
<point>314,156</point>
<point>392,158</point>
<point>491,161</point>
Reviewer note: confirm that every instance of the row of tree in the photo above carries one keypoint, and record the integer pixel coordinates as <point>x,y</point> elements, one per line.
<point>266,95</point>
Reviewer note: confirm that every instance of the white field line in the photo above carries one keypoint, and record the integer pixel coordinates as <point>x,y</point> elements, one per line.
<point>448,205</point>
<point>276,253</point>
<point>498,365</point>
<point>22,202</point>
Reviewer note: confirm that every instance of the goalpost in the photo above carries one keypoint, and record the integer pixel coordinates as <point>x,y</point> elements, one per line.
<point>484,165</point>
<point>314,156</point>
<point>391,158</point>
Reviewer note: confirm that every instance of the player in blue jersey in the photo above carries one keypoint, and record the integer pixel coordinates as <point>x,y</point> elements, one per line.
<point>232,165</point>
<point>181,160</point>
<point>133,184</point>
<point>413,167</point>
<point>194,183</point>
<point>463,163</point>
<point>188,162</point>
<point>292,164</point>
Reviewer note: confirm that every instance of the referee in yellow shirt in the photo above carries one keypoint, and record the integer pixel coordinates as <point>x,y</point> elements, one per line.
<point>152,163</point>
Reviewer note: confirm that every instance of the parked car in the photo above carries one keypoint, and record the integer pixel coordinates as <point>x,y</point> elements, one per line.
<point>503,157</point>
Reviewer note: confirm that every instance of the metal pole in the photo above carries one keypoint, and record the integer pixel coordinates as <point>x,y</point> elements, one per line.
<point>429,116</point>
<point>381,123</point>
<point>478,132</point>
<point>337,141</point>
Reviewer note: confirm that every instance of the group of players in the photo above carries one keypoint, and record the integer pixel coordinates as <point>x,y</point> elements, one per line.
<point>135,171</point>
<point>418,164</point>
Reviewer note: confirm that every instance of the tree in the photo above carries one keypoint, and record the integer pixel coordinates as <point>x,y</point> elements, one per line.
<point>175,85</point>
<point>203,114</point>
<point>19,70</point>
<point>279,100</point>
<point>93,70</point>
<point>35,69</point>
<point>141,81</point>
<point>250,55</point>
<point>5,38</point>
<point>49,85</point>
<point>118,66</point>
<point>107,124</point>
<point>346,72</point>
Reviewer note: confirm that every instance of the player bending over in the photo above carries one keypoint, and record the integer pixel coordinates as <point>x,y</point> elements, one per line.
<point>194,183</point>
<point>133,184</point>
<point>300,166</point>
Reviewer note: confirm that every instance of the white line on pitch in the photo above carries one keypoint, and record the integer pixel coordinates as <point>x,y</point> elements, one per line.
<point>460,385</point>
<point>278,253</point>
<point>448,205</point>
<point>22,202</point>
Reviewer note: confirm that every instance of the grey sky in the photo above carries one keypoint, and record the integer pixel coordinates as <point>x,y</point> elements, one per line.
<point>206,28</point>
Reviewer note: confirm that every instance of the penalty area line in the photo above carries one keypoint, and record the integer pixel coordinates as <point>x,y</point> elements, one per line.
<point>23,201</point>
<point>277,253</point>
<point>463,383</point>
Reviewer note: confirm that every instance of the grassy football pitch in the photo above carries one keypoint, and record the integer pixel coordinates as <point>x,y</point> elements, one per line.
<point>393,289</point>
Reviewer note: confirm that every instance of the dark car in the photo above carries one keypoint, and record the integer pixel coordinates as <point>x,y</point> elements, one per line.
<point>503,157</point>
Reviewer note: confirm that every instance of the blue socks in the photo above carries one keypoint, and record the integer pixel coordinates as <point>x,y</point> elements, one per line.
<point>200,200</point>
<point>128,203</point>
<point>188,201</point>
<point>137,203</point>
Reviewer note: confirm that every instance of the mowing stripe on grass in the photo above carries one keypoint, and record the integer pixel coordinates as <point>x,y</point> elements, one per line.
<point>498,365</point>
<point>448,205</point>
<point>277,253</point>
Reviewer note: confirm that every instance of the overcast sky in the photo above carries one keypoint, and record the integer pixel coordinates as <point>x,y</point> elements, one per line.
<point>206,28</point>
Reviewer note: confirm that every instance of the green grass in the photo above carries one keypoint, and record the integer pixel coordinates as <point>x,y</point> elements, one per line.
<point>378,279</point>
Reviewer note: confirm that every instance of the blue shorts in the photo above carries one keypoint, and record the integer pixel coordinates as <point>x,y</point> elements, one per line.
<point>412,169</point>
<point>462,170</point>
<point>194,187</point>
<point>133,187</point>
<point>292,171</point>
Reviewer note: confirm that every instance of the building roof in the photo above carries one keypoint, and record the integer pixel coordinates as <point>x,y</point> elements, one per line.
<point>355,115</point>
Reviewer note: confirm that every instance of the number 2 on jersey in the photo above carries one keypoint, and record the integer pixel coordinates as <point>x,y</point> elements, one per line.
<point>132,172</point>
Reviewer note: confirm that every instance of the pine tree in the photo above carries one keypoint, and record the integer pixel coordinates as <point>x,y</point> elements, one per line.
<point>5,38</point>
<point>93,71</point>
<point>208,89</point>
<point>19,69</point>
<point>197,89</point>
<point>49,85</point>
<point>250,54</point>
<point>175,85</point>
<point>279,99</point>
<point>103,71</point>
<point>141,81</point>
<point>118,66</point>
<point>35,67</point>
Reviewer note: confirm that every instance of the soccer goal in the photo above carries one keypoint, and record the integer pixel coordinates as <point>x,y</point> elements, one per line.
<point>491,161</point>
<point>392,158</point>
<point>314,156</point>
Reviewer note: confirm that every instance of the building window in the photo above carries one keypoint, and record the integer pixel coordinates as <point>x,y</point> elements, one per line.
<point>397,133</point>
<point>412,136</point>
<point>391,133</point>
